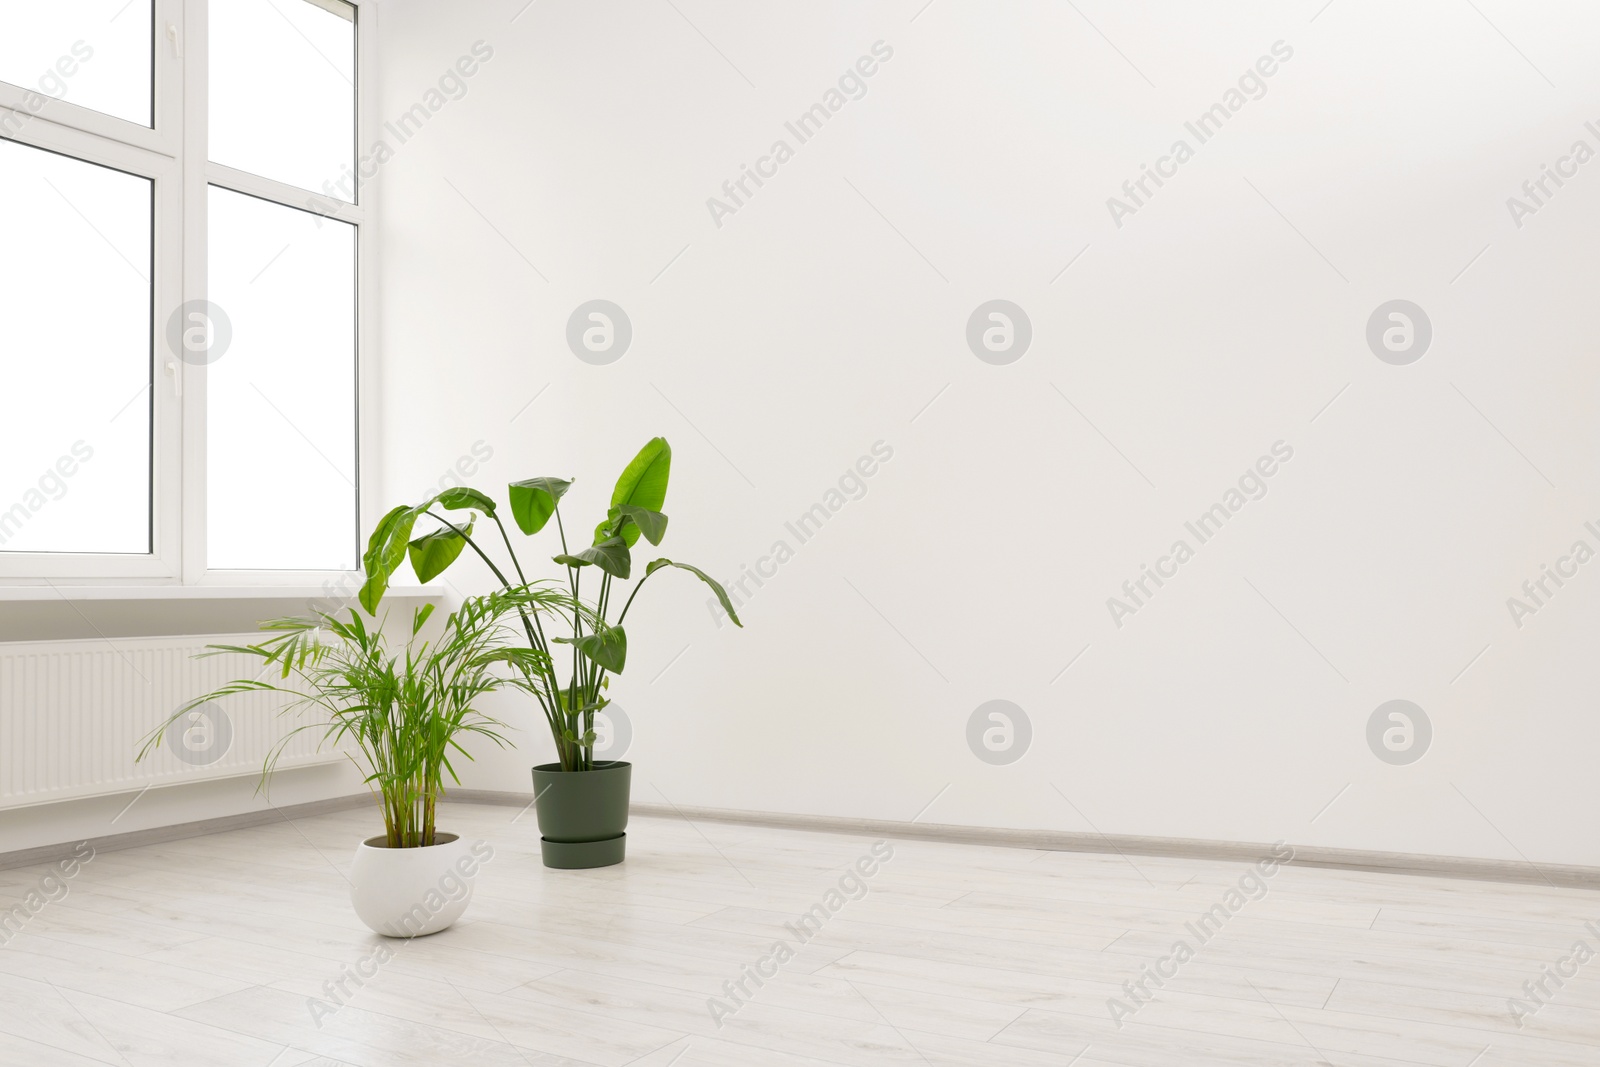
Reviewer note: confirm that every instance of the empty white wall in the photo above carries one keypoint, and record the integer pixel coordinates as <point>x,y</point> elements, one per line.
<point>1228,313</point>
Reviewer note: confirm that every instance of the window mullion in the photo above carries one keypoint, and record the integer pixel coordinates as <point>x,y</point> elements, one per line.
<point>192,106</point>
<point>367,119</point>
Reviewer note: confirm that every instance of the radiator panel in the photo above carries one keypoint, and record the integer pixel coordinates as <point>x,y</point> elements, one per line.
<point>74,713</point>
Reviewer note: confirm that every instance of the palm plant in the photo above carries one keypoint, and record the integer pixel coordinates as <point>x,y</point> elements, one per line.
<point>407,711</point>
<point>599,646</point>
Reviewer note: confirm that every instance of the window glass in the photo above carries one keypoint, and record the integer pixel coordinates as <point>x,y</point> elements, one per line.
<point>283,90</point>
<point>94,53</point>
<point>281,387</point>
<point>75,336</point>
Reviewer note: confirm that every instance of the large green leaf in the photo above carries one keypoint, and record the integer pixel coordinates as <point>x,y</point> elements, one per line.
<point>608,648</point>
<point>533,501</point>
<point>643,483</point>
<point>385,549</point>
<point>652,524</point>
<point>461,498</point>
<point>394,552</point>
<point>372,591</point>
<point>716,586</point>
<point>431,554</point>
<point>380,536</point>
<point>630,522</point>
<point>610,555</point>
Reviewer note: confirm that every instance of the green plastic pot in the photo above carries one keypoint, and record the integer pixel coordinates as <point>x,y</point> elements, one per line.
<point>583,815</point>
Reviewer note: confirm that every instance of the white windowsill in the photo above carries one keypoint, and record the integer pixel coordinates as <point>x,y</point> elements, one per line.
<point>197,592</point>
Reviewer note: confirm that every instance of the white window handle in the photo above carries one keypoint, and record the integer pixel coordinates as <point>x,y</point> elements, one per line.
<point>177,377</point>
<point>177,43</point>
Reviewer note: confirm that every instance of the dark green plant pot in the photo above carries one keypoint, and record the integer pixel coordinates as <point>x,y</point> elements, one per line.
<point>583,815</point>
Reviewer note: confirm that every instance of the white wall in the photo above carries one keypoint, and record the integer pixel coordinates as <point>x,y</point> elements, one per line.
<point>1222,317</point>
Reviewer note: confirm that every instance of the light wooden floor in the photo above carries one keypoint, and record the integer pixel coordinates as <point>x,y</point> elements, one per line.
<point>206,951</point>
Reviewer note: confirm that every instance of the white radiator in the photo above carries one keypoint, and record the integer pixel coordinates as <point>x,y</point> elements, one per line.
<point>74,713</point>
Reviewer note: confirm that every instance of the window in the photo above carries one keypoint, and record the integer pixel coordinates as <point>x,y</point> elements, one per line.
<point>282,400</point>
<point>304,131</point>
<point>75,442</point>
<point>96,53</point>
<point>181,282</point>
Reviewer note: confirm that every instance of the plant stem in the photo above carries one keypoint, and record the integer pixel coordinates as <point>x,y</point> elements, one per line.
<point>552,707</point>
<point>633,594</point>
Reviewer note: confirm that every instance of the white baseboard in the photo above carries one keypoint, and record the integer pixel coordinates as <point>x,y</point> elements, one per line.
<point>156,835</point>
<point>1562,876</point>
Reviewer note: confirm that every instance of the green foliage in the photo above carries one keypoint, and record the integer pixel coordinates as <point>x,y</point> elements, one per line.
<point>406,711</point>
<point>643,485</point>
<point>629,522</point>
<point>533,501</point>
<point>716,586</point>
<point>608,648</point>
<point>431,554</point>
<point>599,645</point>
<point>652,524</point>
<point>385,549</point>
<point>461,498</point>
<point>610,555</point>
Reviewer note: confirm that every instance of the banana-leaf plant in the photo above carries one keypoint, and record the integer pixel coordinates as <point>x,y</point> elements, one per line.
<point>598,645</point>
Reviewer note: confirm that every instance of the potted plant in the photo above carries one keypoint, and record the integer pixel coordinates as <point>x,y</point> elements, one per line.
<point>582,802</point>
<point>406,713</point>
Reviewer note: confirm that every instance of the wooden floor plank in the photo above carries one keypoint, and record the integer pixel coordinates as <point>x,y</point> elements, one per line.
<point>213,950</point>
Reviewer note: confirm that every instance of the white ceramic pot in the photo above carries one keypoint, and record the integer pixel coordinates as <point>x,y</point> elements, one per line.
<point>412,892</point>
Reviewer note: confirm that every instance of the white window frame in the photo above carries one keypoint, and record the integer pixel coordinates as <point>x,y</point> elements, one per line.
<point>174,155</point>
